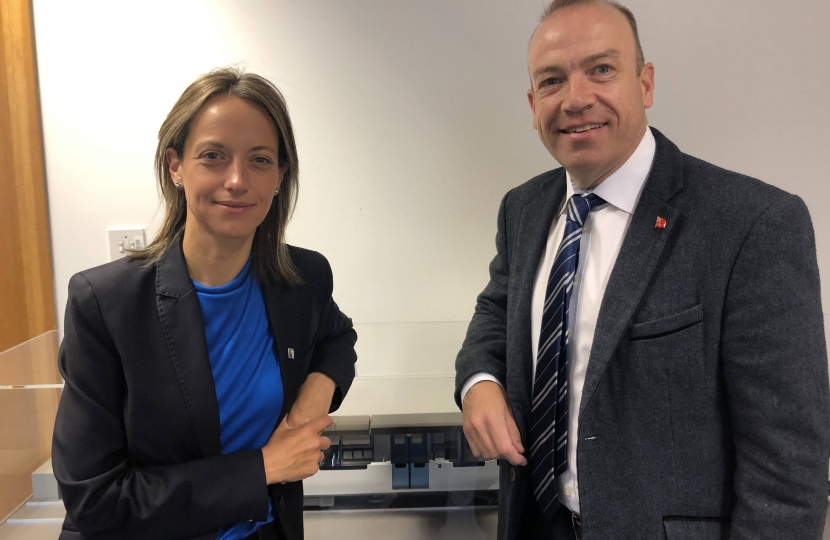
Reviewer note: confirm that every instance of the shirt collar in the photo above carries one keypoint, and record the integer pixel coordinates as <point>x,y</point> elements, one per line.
<point>622,189</point>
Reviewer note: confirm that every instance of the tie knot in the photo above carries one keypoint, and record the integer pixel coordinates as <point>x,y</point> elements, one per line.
<point>580,205</point>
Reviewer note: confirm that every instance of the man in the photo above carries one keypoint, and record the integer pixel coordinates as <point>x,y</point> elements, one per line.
<point>648,359</point>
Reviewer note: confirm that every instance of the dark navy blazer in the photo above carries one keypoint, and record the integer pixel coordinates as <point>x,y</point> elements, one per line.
<point>705,411</point>
<point>136,448</point>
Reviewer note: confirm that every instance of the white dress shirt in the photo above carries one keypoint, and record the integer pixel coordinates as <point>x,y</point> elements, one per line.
<point>601,240</point>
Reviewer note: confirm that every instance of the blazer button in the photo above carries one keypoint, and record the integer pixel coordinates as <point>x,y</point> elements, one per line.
<point>512,474</point>
<point>281,503</point>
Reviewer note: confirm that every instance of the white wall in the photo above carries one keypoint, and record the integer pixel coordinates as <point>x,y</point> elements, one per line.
<point>411,120</point>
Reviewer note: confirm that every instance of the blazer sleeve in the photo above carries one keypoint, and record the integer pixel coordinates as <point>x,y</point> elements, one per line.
<point>775,367</point>
<point>334,353</point>
<point>485,345</point>
<point>105,494</point>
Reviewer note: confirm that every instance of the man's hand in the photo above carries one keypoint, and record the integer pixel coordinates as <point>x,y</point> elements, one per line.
<point>292,454</point>
<point>489,425</point>
<point>313,399</point>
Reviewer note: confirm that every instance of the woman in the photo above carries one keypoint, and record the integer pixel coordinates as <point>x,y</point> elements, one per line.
<point>199,370</point>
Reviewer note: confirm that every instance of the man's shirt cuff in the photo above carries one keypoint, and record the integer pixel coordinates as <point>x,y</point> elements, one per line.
<point>477,378</point>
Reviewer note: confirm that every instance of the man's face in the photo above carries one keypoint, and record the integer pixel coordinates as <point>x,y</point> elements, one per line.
<point>587,99</point>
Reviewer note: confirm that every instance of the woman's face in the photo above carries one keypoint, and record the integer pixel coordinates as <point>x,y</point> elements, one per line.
<point>229,170</point>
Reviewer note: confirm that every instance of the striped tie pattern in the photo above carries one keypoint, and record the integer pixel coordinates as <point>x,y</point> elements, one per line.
<point>549,408</point>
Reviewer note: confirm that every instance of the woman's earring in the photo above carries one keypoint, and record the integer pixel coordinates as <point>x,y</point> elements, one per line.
<point>277,192</point>
<point>178,186</point>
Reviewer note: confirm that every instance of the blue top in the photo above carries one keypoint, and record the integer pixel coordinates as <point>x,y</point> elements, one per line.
<point>246,371</point>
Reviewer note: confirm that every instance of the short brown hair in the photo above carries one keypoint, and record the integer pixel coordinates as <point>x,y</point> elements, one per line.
<point>270,258</point>
<point>556,5</point>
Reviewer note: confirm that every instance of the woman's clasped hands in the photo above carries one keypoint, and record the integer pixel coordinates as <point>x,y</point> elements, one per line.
<point>295,449</point>
<point>295,453</point>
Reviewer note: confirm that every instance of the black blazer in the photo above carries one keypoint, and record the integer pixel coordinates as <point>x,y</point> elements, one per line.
<point>704,413</point>
<point>136,449</point>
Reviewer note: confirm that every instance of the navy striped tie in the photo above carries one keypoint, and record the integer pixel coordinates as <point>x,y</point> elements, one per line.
<point>549,408</point>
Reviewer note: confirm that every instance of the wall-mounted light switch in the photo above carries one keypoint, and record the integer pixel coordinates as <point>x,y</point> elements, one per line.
<point>121,241</point>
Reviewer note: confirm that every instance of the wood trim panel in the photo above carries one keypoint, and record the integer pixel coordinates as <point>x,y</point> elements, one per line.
<point>27,305</point>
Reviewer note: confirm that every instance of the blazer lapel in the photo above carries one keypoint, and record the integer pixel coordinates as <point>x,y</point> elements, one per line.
<point>534,227</point>
<point>181,318</point>
<point>282,306</point>
<point>638,258</point>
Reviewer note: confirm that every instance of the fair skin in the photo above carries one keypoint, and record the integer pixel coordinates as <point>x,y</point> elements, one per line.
<point>588,104</point>
<point>582,64</point>
<point>229,171</point>
<point>489,426</point>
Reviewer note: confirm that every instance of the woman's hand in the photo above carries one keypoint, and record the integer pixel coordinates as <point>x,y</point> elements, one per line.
<point>313,399</point>
<point>292,454</point>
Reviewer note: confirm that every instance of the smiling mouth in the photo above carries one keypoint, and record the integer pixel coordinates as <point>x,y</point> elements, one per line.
<point>582,129</point>
<point>232,204</point>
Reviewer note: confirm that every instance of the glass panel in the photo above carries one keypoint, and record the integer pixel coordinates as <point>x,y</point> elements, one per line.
<point>30,388</point>
<point>32,362</point>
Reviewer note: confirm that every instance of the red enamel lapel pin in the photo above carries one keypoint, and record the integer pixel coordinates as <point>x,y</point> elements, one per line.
<point>660,223</point>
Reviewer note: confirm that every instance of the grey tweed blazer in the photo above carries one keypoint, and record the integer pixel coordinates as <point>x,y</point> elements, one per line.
<point>705,408</point>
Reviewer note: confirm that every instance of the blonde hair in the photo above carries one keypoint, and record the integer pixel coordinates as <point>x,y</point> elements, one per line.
<point>271,260</point>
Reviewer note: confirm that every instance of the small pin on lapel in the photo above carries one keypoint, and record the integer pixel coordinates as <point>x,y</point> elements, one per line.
<point>291,354</point>
<point>660,223</point>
